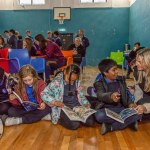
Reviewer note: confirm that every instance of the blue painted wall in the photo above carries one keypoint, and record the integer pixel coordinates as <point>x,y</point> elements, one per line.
<point>34,20</point>
<point>106,28</point>
<point>139,23</point>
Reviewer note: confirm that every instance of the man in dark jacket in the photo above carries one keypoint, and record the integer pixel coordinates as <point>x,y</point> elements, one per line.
<point>112,93</point>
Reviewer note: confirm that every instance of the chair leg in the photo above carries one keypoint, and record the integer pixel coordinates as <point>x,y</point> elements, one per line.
<point>44,76</point>
<point>122,70</point>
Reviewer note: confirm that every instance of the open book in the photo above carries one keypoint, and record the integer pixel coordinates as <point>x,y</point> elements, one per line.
<point>79,113</point>
<point>122,116</point>
<point>28,106</point>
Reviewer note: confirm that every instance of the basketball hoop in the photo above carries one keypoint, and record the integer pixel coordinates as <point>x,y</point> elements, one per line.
<point>61,19</point>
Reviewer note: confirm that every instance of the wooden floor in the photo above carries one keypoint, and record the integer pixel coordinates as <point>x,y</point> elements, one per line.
<point>45,136</point>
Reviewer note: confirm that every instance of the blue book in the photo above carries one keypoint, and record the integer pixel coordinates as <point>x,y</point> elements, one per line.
<point>28,106</point>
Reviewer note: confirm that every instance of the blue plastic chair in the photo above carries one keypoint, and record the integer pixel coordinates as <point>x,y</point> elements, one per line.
<point>10,65</point>
<point>21,54</point>
<point>23,57</point>
<point>14,65</point>
<point>39,65</point>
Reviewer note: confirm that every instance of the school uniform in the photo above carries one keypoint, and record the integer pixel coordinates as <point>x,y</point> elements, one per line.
<point>33,115</point>
<point>104,89</point>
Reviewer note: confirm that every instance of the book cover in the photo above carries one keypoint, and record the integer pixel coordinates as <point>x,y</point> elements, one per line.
<point>28,106</point>
<point>122,116</point>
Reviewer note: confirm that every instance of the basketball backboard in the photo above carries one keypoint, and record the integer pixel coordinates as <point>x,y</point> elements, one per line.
<point>62,12</point>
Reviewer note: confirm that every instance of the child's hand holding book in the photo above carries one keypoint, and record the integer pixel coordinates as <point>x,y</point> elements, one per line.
<point>58,103</point>
<point>141,109</point>
<point>12,97</point>
<point>42,106</point>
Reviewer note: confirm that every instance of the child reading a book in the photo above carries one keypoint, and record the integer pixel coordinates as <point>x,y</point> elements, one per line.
<point>4,106</point>
<point>112,93</point>
<point>65,90</point>
<point>28,89</point>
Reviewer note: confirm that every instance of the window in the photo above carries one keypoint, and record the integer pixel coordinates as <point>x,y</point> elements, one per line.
<point>25,2</point>
<point>100,1</point>
<point>93,1</point>
<point>31,2</point>
<point>86,1</point>
<point>38,2</point>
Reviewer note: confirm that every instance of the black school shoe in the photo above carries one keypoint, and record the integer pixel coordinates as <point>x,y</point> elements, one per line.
<point>105,128</point>
<point>134,126</point>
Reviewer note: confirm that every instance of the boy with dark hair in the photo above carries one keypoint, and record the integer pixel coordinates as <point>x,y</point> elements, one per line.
<point>112,93</point>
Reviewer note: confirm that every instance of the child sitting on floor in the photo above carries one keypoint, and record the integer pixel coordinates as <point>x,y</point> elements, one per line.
<point>112,93</point>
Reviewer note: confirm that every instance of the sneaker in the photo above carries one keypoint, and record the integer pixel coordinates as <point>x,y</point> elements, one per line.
<point>134,126</point>
<point>105,128</point>
<point>47,117</point>
<point>3,118</point>
<point>1,128</point>
<point>9,121</point>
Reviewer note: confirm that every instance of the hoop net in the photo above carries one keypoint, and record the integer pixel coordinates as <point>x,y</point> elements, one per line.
<point>61,20</point>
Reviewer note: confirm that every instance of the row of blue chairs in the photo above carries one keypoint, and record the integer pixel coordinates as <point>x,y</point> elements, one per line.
<point>10,65</point>
<point>20,57</point>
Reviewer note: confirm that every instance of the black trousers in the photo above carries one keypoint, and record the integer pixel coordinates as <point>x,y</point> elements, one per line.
<point>4,108</point>
<point>73,125</point>
<point>129,71</point>
<point>28,116</point>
